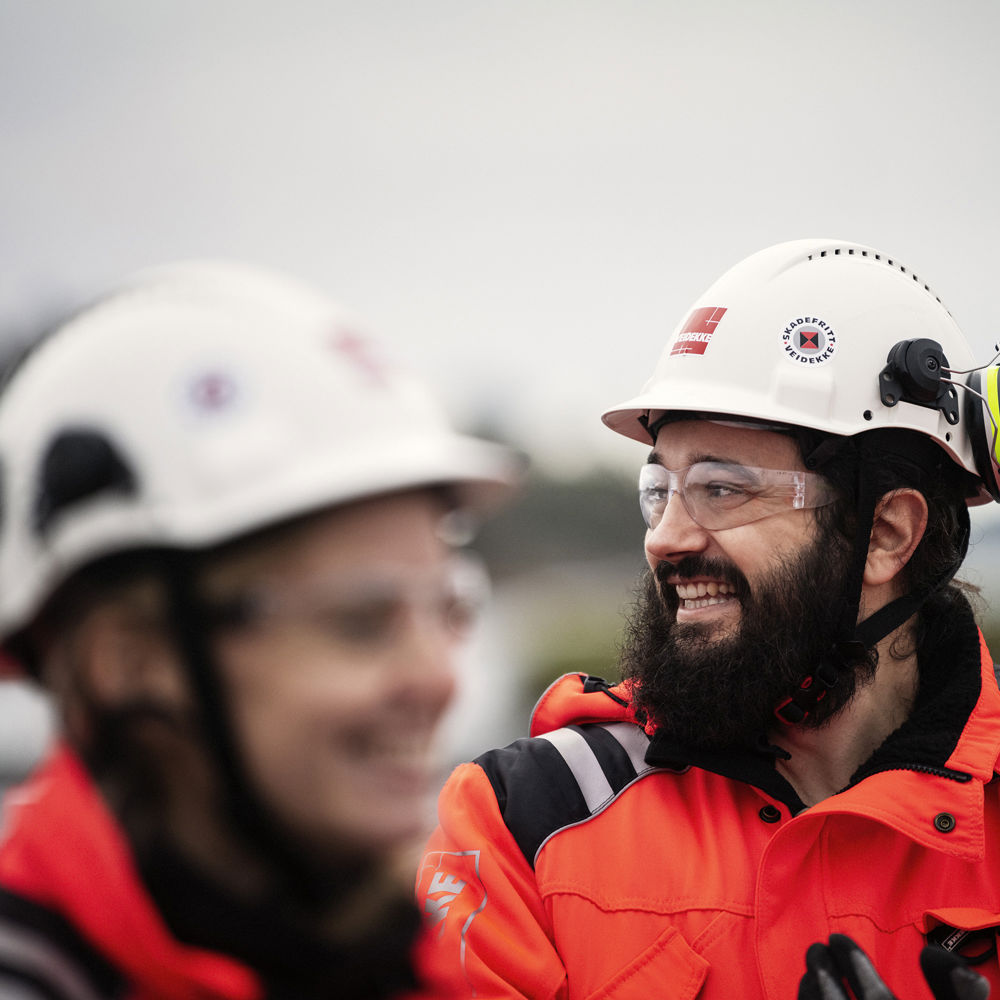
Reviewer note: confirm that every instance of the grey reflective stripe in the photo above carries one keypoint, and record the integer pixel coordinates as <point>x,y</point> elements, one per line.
<point>633,741</point>
<point>19,989</point>
<point>585,766</point>
<point>21,949</point>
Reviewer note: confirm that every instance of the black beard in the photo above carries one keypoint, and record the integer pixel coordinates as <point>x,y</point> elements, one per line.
<point>721,693</point>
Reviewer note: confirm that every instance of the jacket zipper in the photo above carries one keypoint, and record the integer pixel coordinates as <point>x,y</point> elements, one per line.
<point>940,772</point>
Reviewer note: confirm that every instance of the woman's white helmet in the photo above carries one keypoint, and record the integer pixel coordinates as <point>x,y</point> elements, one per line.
<point>198,403</point>
<point>802,333</point>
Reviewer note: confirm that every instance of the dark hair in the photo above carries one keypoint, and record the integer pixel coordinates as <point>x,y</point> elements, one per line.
<point>890,460</point>
<point>102,580</point>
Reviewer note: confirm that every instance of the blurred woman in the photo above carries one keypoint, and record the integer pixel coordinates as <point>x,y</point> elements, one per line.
<point>222,552</point>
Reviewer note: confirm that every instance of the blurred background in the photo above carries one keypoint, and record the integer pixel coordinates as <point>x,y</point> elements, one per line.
<point>522,196</point>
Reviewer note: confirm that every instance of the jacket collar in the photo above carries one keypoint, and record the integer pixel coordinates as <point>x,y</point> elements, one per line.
<point>61,847</point>
<point>170,946</point>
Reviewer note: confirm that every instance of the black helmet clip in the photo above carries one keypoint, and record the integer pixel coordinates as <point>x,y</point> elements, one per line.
<point>917,372</point>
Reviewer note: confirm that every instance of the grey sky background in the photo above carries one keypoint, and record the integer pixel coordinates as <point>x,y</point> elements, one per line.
<point>524,195</point>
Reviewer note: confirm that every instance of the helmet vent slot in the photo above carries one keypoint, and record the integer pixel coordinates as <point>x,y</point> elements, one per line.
<point>78,465</point>
<point>888,261</point>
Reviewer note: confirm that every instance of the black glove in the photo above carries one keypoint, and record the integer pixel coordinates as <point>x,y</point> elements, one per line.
<point>828,967</point>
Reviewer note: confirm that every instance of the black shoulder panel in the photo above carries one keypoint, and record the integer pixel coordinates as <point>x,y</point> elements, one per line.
<point>553,781</point>
<point>43,955</point>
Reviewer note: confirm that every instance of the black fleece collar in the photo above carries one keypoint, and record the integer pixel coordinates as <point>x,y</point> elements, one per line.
<point>293,962</point>
<point>950,683</point>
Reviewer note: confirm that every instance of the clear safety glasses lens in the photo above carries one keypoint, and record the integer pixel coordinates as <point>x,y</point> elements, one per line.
<point>720,495</point>
<point>368,611</point>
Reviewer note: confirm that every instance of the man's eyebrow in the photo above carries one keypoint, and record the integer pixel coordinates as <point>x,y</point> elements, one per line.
<point>654,459</point>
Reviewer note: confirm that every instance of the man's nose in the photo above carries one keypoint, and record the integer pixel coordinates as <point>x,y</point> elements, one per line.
<point>676,534</point>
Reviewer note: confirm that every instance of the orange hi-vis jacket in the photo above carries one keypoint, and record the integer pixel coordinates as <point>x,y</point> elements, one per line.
<point>593,861</point>
<point>75,920</point>
<point>78,923</point>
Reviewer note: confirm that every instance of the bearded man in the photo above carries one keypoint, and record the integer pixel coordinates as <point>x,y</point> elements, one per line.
<point>803,744</point>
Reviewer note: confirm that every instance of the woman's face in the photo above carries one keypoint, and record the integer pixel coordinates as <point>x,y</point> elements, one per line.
<point>341,667</point>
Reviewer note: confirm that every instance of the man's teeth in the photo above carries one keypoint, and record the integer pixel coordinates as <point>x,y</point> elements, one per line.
<point>702,594</point>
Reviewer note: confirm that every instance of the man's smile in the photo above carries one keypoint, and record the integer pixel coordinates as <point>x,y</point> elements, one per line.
<point>703,594</point>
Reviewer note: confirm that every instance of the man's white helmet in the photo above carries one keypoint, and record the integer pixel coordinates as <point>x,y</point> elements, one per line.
<point>840,339</point>
<point>801,334</point>
<point>200,402</point>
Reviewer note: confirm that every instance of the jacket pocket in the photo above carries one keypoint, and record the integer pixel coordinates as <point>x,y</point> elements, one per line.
<point>667,968</point>
<point>968,931</point>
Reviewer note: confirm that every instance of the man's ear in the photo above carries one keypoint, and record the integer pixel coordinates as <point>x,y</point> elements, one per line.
<point>898,526</point>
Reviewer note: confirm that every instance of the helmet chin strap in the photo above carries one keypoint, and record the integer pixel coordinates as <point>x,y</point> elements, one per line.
<point>855,638</point>
<point>247,811</point>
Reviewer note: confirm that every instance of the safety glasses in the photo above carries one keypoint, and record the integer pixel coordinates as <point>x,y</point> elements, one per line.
<point>720,495</point>
<point>370,611</point>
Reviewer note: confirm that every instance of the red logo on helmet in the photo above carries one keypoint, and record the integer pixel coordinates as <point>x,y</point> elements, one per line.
<point>360,353</point>
<point>809,339</point>
<point>698,330</point>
